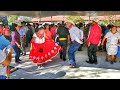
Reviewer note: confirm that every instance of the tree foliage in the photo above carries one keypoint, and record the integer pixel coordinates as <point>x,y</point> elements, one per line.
<point>12,18</point>
<point>75,19</point>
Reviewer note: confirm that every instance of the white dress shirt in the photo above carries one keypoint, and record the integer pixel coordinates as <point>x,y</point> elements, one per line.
<point>75,34</point>
<point>23,31</point>
<point>81,34</point>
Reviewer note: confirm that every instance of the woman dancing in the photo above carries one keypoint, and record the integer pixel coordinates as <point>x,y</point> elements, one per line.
<point>43,48</point>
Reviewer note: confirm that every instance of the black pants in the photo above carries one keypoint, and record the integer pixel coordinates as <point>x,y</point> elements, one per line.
<point>63,44</point>
<point>92,49</point>
<point>81,45</point>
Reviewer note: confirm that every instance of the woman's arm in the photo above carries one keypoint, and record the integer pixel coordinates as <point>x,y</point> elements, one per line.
<point>103,40</point>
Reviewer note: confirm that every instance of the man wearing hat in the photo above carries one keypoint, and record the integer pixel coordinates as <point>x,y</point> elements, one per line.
<point>75,42</point>
<point>93,41</point>
<point>22,31</point>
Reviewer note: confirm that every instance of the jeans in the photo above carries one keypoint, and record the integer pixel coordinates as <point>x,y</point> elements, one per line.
<point>92,49</point>
<point>63,44</point>
<point>71,52</point>
<point>17,52</point>
<point>2,77</point>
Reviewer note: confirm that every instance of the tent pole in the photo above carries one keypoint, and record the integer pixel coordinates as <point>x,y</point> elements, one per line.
<point>51,18</point>
<point>89,18</point>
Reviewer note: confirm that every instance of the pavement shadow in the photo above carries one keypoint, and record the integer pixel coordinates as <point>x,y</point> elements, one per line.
<point>55,75</point>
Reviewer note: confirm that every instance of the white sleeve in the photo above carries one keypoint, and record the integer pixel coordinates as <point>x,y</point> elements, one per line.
<point>34,35</point>
<point>118,35</point>
<point>107,35</point>
<point>81,34</point>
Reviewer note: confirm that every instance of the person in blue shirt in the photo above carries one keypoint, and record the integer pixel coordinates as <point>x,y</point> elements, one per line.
<point>108,28</point>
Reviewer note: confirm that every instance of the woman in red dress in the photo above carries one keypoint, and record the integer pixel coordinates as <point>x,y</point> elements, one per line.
<point>43,48</point>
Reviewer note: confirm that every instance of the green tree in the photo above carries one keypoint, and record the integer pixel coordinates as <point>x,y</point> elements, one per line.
<point>75,19</point>
<point>12,18</point>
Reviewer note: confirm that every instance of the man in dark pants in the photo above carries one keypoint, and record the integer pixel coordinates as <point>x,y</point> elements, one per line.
<point>64,40</point>
<point>93,41</point>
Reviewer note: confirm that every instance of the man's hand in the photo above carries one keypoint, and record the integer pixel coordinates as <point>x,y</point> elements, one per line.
<point>102,44</point>
<point>88,45</point>
<point>68,42</point>
<point>19,46</point>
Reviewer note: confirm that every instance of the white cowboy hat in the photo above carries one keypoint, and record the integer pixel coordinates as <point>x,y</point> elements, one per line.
<point>95,19</point>
<point>69,21</point>
<point>2,56</point>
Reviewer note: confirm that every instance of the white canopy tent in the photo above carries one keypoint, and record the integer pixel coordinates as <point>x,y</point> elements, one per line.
<point>41,14</point>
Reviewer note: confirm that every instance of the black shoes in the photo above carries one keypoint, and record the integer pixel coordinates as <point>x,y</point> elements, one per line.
<point>72,66</point>
<point>111,62</point>
<point>60,57</point>
<point>17,62</point>
<point>95,62</point>
<point>64,59</point>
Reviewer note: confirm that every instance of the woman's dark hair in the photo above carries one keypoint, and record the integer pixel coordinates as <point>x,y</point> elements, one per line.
<point>40,29</point>
<point>5,24</point>
<point>13,28</point>
<point>110,26</point>
<point>46,25</point>
<point>113,26</point>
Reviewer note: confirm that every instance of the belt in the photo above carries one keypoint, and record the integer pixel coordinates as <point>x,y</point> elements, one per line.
<point>62,38</point>
<point>74,41</point>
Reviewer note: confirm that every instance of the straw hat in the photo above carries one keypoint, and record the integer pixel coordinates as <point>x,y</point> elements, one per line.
<point>69,21</point>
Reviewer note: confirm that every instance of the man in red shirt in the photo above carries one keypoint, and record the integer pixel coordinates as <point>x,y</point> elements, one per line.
<point>93,41</point>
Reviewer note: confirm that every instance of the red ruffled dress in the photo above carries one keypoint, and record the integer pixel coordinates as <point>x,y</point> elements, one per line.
<point>44,52</point>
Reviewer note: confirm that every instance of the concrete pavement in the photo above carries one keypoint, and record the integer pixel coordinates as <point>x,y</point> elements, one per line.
<point>58,69</point>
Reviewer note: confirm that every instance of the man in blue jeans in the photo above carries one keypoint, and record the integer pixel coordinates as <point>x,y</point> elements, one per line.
<point>75,42</point>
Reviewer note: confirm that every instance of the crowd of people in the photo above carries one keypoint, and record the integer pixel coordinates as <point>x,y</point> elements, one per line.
<point>48,40</point>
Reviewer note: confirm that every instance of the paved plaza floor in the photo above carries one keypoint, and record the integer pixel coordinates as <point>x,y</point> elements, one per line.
<point>59,69</point>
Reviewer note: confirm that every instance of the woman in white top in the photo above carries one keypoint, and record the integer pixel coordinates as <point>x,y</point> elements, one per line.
<point>43,48</point>
<point>113,37</point>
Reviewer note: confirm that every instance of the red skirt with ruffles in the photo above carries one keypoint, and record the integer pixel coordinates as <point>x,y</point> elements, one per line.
<point>41,53</point>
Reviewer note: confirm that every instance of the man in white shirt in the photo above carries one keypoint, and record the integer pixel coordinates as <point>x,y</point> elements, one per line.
<point>75,42</point>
